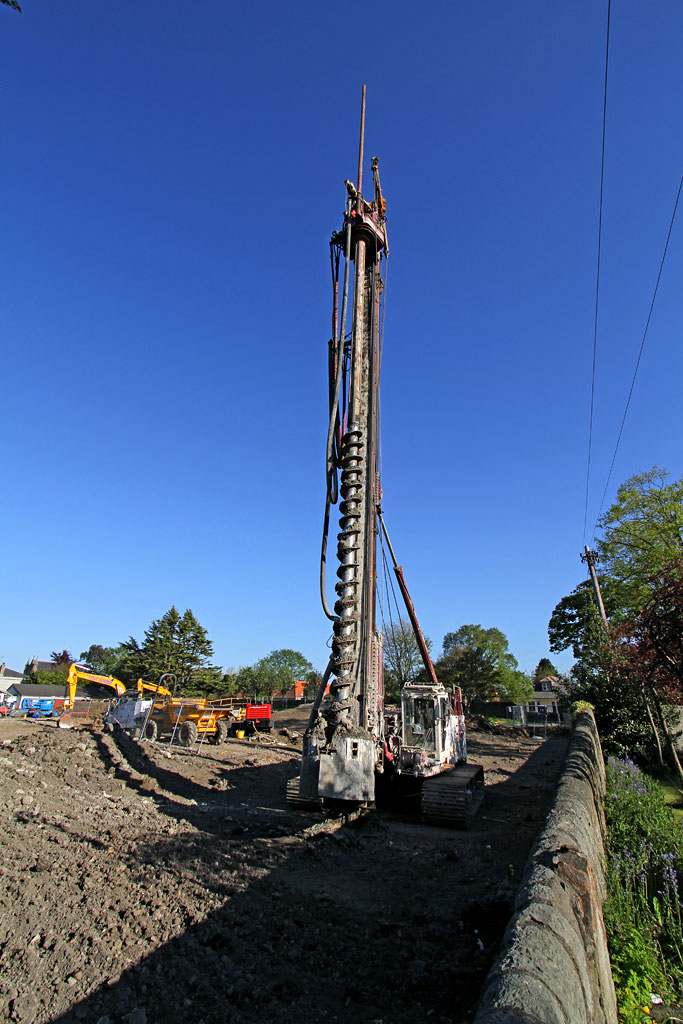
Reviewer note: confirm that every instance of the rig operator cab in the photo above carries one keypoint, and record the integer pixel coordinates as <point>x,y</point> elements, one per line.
<point>433,729</point>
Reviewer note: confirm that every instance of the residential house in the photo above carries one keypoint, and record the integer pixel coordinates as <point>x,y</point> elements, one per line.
<point>546,701</point>
<point>8,676</point>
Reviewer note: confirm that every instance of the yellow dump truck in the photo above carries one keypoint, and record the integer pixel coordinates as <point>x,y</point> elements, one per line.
<point>188,719</point>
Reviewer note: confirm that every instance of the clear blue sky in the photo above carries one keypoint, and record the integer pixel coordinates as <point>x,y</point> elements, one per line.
<point>171,176</point>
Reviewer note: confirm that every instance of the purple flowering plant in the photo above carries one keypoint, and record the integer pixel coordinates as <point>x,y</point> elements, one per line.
<point>644,848</point>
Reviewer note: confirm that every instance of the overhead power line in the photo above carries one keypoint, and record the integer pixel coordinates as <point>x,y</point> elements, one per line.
<point>640,352</point>
<point>597,277</point>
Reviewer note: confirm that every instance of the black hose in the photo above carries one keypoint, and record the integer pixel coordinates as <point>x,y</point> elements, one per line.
<point>323,562</point>
<point>332,483</point>
<point>332,486</point>
<point>320,693</point>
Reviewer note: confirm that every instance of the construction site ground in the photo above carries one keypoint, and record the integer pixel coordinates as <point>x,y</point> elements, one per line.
<point>150,886</point>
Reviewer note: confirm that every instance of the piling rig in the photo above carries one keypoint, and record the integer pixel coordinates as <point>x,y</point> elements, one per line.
<point>350,742</point>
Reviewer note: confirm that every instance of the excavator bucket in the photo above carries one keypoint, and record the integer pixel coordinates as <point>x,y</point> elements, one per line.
<point>73,720</point>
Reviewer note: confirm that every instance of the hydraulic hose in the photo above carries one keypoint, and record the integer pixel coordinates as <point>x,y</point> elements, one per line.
<point>334,408</point>
<point>320,693</point>
<point>332,485</point>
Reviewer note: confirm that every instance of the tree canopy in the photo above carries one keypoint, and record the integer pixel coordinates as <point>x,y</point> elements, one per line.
<point>174,643</point>
<point>103,660</point>
<point>275,673</point>
<point>641,531</point>
<point>573,615</point>
<point>62,657</point>
<point>544,669</point>
<point>632,669</point>
<point>479,662</point>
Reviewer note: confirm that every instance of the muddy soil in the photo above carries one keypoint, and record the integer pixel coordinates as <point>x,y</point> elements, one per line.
<point>152,886</point>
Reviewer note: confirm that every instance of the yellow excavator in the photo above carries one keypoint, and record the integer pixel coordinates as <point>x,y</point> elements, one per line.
<point>118,689</point>
<point>77,675</point>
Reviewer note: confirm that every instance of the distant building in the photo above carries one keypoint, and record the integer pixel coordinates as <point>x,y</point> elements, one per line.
<point>39,666</point>
<point>546,699</point>
<point>296,693</point>
<point>8,676</point>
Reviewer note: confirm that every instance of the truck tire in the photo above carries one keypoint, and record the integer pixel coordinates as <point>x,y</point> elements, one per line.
<point>221,733</point>
<point>152,731</point>
<point>188,733</point>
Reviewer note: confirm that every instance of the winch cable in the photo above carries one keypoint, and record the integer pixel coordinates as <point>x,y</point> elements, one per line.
<point>385,577</point>
<point>382,584</point>
<point>388,576</point>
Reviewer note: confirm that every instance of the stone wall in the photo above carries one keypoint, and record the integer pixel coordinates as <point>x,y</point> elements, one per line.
<point>554,966</point>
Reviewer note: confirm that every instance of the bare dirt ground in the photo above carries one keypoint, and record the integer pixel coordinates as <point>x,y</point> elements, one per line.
<point>157,887</point>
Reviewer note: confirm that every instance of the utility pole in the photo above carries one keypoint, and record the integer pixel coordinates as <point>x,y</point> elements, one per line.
<point>589,557</point>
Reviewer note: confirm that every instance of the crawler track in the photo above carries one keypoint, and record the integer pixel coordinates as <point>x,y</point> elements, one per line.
<point>453,798</point>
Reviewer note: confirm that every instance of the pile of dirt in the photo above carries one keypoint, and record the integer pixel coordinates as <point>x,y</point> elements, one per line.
<point>147,885</point>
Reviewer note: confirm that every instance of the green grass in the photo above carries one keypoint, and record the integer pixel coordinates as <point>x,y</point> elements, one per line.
<point>673,794</point>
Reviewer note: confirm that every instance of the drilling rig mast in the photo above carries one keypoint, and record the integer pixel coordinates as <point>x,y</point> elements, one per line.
<point>341,743</point>
<point>345,745</point>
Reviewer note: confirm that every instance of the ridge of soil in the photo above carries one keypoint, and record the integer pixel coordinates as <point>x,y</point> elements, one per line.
<point>151,886</point>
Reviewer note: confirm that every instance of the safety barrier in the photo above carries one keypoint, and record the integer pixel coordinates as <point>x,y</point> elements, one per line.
<point>554,966</point>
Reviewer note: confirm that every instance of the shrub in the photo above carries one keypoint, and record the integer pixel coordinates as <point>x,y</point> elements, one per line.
<point>643,908</point>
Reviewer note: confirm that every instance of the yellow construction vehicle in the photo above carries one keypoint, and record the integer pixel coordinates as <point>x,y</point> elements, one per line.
<point>76,674</point>
<point>160,691</point>
<point>92,710</point>
<point>187,719</point>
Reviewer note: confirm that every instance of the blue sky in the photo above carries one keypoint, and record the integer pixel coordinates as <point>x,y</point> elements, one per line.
<point>172,173</point>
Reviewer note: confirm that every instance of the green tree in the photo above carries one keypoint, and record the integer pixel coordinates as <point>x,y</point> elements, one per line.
<point>641,531</point>
<point>573,616</point>
<point>402,658</point>
<point>103,660</point>
<point>14,4</point>
<point>620,712</point>
<point>517,687</point>
<point>49,677</point>
<point>621,671</point>
<point>276,672</point>
<point>544,669</point>
<point>479,662</point>
<point>174,643</point>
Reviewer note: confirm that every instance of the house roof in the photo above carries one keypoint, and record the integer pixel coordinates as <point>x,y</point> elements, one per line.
<point>34,690</point>
<point>41,666</point>
<point>9,673</point>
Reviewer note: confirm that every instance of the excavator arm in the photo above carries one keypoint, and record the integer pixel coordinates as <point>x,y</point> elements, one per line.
<point>161,691</point>
<point>76,674</point>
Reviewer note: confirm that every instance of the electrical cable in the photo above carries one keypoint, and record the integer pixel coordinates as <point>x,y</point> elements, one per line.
<point>597,280</point>
<point>640,352</point>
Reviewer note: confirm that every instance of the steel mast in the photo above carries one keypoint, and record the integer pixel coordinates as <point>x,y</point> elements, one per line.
<point>342,741</point>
